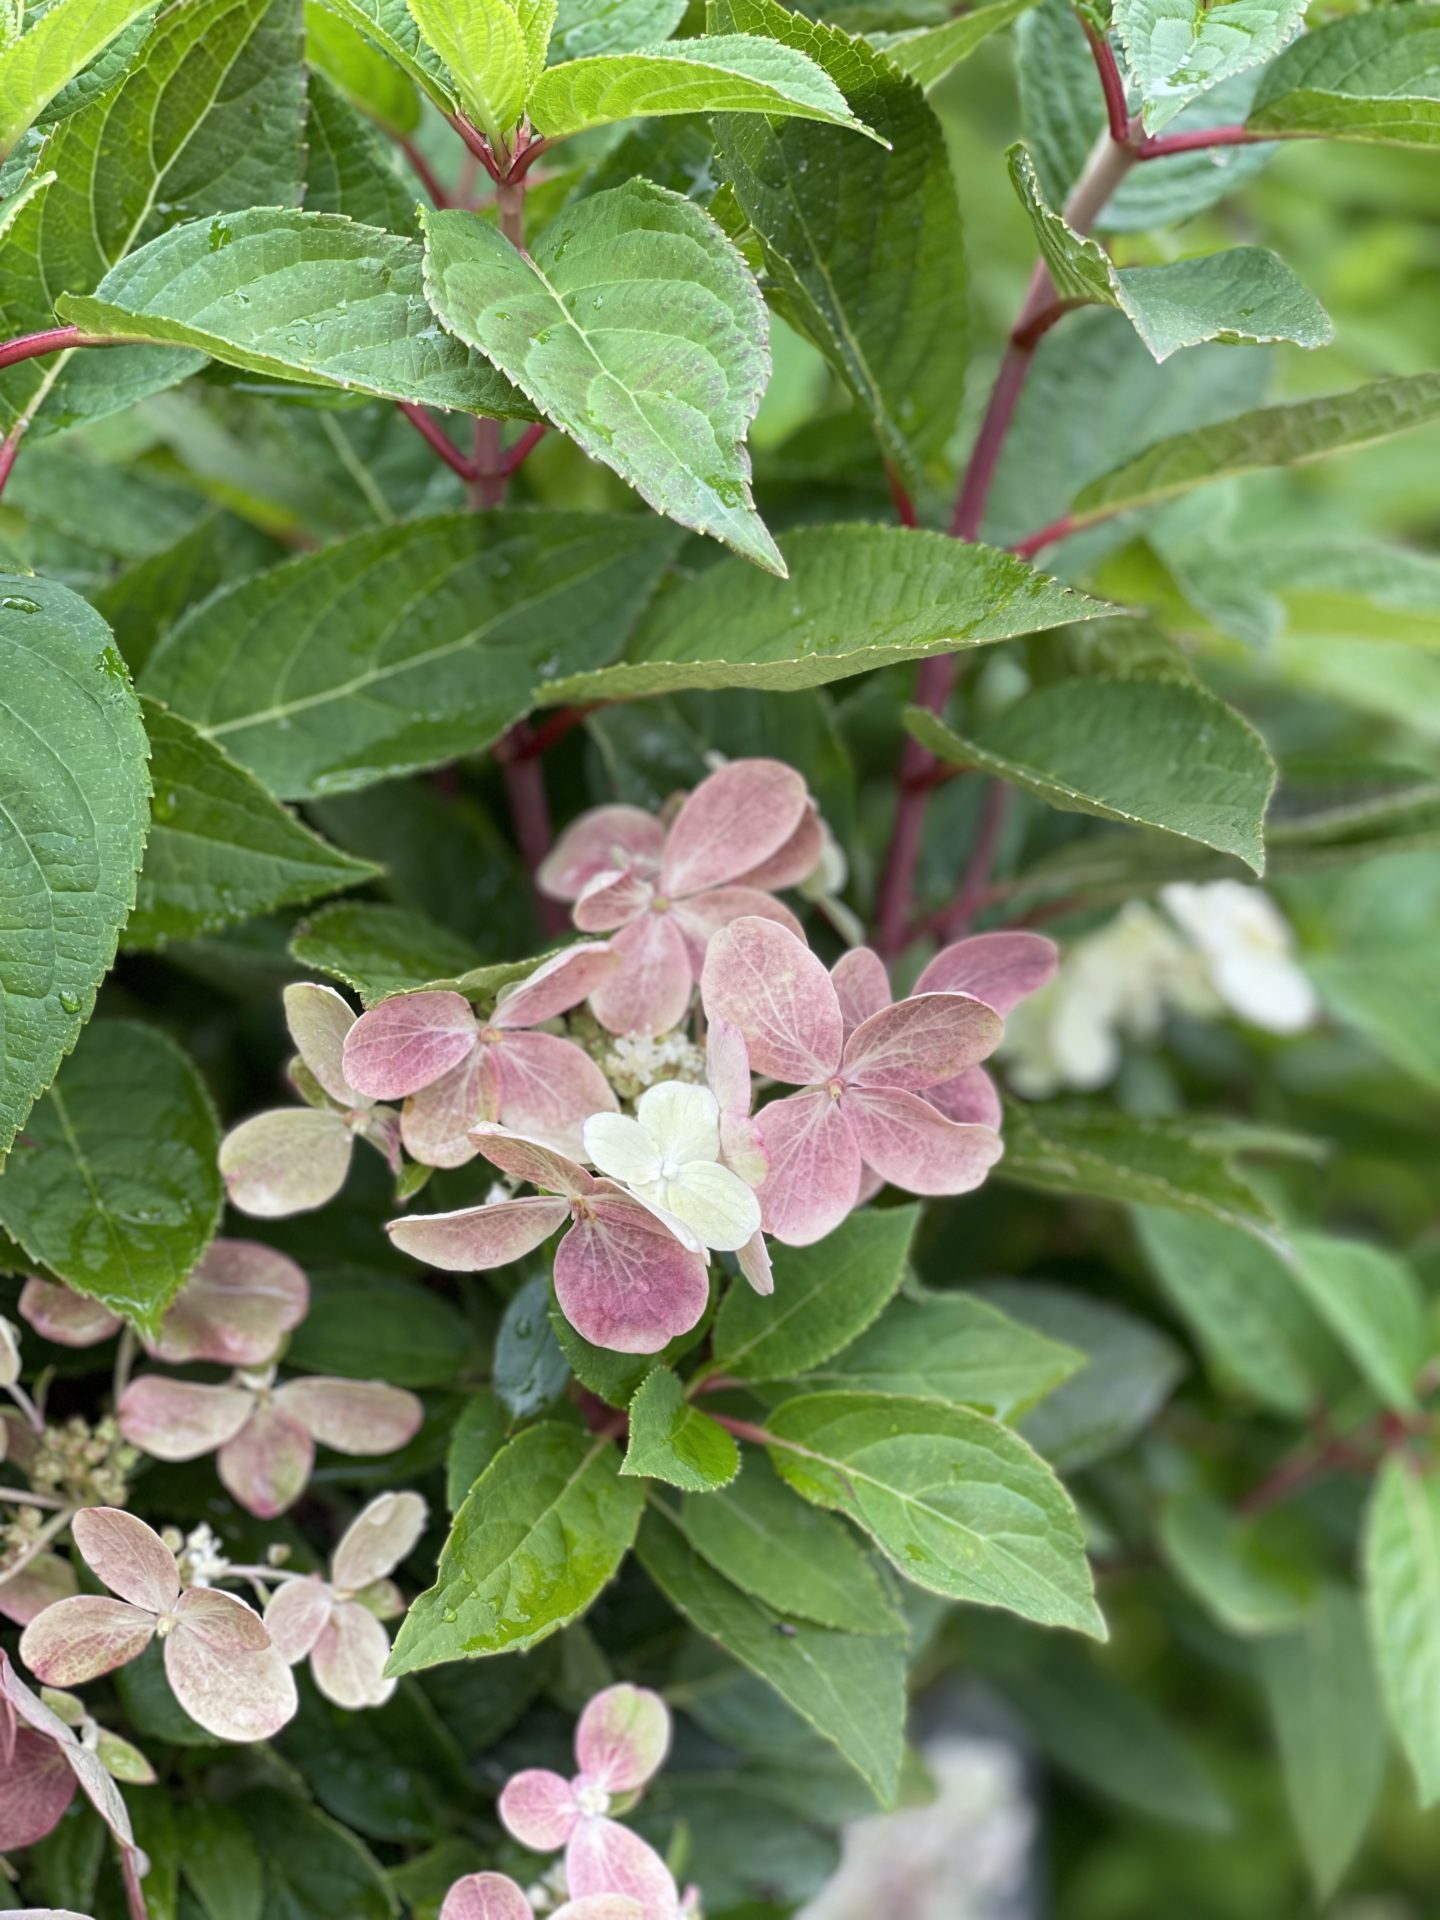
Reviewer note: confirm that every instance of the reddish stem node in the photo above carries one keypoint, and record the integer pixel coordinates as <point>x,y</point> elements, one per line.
<point>1158,145</point>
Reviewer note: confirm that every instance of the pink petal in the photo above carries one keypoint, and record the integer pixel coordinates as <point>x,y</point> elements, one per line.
<point>68,1318</point>
<point>235,1696</point>
<point>701,916</point>
<point>650,989</point>
<point>353,1416</point>
<point>912,1146</point>
<point>486,1896</point>
<point>814,1172</point>
<point>971,1098</point>
<point>604,1857</point>
<point>539,1809</point>
<point>601,1906</point>
<point>556,985</point>
<point>1001,969</point>
<point>732,822</point>
<point>181,1419</point>
<point>622,1738</point>
<point>36,1786</point>
<point>235,1308</point>
<point>35,1586</point>
<point>862,985</point>
<point>743,1149</point>
<point>754,1263</point>
<point>604,837</point>
<point>727,1066</point>
<point>296,1616</point>
<point>435,1123</point>
<point>127,1556</point>
<point>549,1088</point>
<point>612,899</point>
<point>533,1161</point>
<point>381,1128</point>
<point>624,1282</point>
<point>77,1640</point>
<point>793,862</point>
<point>377,1540</point>
<point>222,1621</point>
<point>102,1793</point>
<point>919,1042</point>
<point>870,1185</point>
<point>319,1020</point>
<point>408,1041</point>
<point>267,1464</point>
<point>291,1160</point>
<point>349,1659</point>
<point>777,992</point>
<point>477,1238</point>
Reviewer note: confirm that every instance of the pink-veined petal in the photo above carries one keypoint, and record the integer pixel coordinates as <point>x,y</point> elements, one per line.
<point>319,1020</point>
<point>36,1786</point>
<point>235,1308</point>
<point>102,1792</point>
<point>793,862</point>
<point>600,1906</point>
<point>622,1738</point>
<point>235,1696</point>
<point>377,1540</point>
<point>435,1123</point>
<point>743,1149</point>
<point>296,1616</point>
<point>549,1088</point>
<point>267,1464</point>
<point>181,1419</point>
<point>870,1185</point>
<point>556,985</point>
<point>650,989</point>
<point>604,1857</point>
<point>408,1041</point>
<point>776,991</point>
<point>539,1809</point>
<point>971,1098</point>
<point>348,1660</point>
<point>913,1146</point>
<point>353,1416</point>
<point>918,1042</point>
<point>79,1639</point>
<point>222,1620</point>
<point>486,1896</point>
<point>477,1238</point>
<point>290,1160</point>
<point>814,1168</point>
<point>35,1586</point>
<point>862,985</point>
<point>533,1161</point>
<point>727,1066</point>
<point>734,820</point>
<point>605,837</point>
<point>1002,969</point>
<point>611,900</point>
<point>624,1281</point>
<point>702,916</point>
<point>68,1318</point>
<point>127,1556</point>
<point>754,1262</point>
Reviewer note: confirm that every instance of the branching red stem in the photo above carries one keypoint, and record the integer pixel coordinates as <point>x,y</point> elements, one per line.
<point>1034,543</point>
<point>1112,84</point>
<point>438,439</point>
<point>1158,145</point>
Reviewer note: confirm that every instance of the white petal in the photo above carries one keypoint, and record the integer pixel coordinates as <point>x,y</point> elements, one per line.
<point>682,1120</point>
<point>715,1203</point>
<point>623,1148</point>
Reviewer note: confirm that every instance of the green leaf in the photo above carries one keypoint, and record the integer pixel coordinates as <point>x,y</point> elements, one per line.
<point>956,1502</point>
<point>825,1295</point>
<point>1177,49</point>
<point>530,1371</point>
<point>1191,764</point>
<point>1372,1303</point>
<point>114,1186</point>
<point>616,1377</point>
<point>374,1326</point>
<point>377,950</point>
<point>231,286</point>
<point>921,593</point>
<point>484,47</point>
<point>320,677</point>
<point>543,1529</point>
<point>390,26</point>
<point>66,37</point>
<point>350,166</point>
<point>586,27</point>
<point>356,68</point>
<point>670,423</point>
<point>788,1554</point>
<point>1371,76</point>
<point>1319,1683</point>
<point>1391,995</point>
<point>314,1868</point>
<point>883,299</point>
<point>951,1347</point>
<point>927,54</point>
<point>1232,1565</point>
<point>1402,1591</point>
<point>73,806</point>
<point>145,601</point>
<point>671,1440</point>
<point>849,1687</point>
<point>221,1863</point>
<point>476,1437</point>
<point>220,849</point>
<point>717,73</point>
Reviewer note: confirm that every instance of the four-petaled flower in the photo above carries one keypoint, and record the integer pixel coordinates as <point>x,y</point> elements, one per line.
<point>337,1621</point>
<point>745,830</point>
<point>41,1764</point>
<point>495,1896</point>
<point>218,1657</point>
<point>861,1105</point>
<point>453,1069</point>
<point>668,1155</point>
<point>627,1275</point>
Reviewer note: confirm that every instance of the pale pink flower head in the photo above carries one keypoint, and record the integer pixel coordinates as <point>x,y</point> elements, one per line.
<point>668,1155</point>
<point>861,1105</point>
<point>337,1622</point>
<point>742,1144</point>
<point>294,1159</point>
<point>38,1584</point>
<point>628,1276</point>
<point>218,1658</point>
<point>495,1896</point>
<point>620,1743</point>
<point>453,1069</point>
<point>265,1433</point>
<point>746,829</point>
<point>41,1764</point>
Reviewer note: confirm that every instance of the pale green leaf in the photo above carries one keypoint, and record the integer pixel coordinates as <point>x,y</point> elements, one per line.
<point>115,1184</point>
<point>1177,49</point>
<point>74,801</point>
<point>390,26</point>
<point>377,949</point>
<point>1367,76</point>
<point>66,38</point>
<point>483,45</point>
<point>671,1440</point>
<point>1389,993</point>
<point>587,27</point>
<point>927,54</point>
<point>356,67</point>
<point>1232,1566</point>
<point>636,327</point>
<point>1372,1303</point>
<point>543,1529</point>
<point>1402,1591</point>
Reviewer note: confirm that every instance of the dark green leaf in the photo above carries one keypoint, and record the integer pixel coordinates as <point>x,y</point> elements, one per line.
<point>221,1863</point>
<point>377,950</point>
<point>372,1326</point>
<point>530,1370</point>
<point>314,1869</point>
<point>350,166</point>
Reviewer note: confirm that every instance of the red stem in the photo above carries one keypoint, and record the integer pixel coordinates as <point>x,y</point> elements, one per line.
<point>520,452</point>
<point>1157,146</point>
<point>1111,83</point>
<point>54,340</point>
<point>134,1892</point>
<point>994,808</point>
<point>439,440</point>
<point>539,740</point>
<point>477,143</point>
<point>743,1430</point>
<point>530,813</point>
<point>426,174</point>
<point>900,494</point>
<point>1033,543</point>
